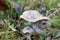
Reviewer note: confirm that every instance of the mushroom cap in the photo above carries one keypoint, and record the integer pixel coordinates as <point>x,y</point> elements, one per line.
<point>32,16</point>
<point>28,30</point>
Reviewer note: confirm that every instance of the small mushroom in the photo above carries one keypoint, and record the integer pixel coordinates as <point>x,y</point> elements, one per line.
<point>28,32</point>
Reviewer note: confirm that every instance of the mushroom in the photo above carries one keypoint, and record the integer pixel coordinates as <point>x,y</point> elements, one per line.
<point>32,16</point>
<point>37,20</point>
<point>28,32</point>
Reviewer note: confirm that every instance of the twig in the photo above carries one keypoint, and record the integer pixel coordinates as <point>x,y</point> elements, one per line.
<point>56,10</point>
